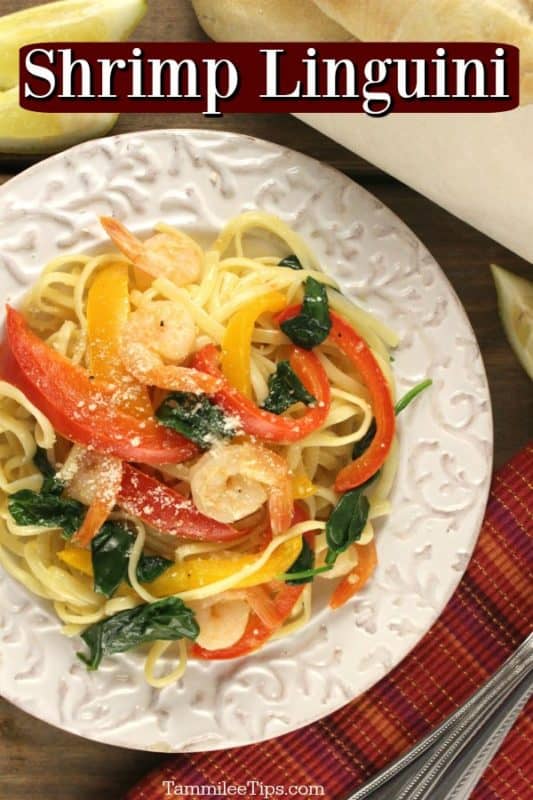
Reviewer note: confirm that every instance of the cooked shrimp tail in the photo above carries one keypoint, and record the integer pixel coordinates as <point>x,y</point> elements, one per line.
<point>171,254</point>
<point>280,507</point>
<point>126,242</point>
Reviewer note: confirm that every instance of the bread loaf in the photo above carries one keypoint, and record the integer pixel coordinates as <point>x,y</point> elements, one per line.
<point>508,21</point>
<point>267,20</point>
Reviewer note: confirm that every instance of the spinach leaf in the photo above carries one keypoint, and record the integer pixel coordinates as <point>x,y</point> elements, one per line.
<point>51,484</point>
<point>292,262</point>
<point>168,619</point>
<point>110,551</point>
<point>363,444</point>
<point>305,576</point>
<point>47,510</point>
<point>151,567</point>
<point>196,417</point>
<point>284,389</point>
<point>347,520</point>
<point>303,569</point>
<point>411,394</point>
<point>312,326</point>
<point>304,563</point>
<point>40,459</point>
<point>346,523</point>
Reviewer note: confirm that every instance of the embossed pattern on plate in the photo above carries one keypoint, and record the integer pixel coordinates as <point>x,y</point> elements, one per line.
<point>197,180</point>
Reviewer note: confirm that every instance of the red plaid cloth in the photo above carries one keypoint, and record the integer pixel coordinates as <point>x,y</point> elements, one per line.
<point>489,615</point>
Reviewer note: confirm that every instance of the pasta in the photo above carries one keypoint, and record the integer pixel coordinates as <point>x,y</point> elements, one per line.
<point>272,453</point>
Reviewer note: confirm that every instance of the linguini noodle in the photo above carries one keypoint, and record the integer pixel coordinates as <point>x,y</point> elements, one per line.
<point>231,279</point>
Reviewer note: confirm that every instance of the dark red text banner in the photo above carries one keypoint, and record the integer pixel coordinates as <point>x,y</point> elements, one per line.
<point>373,78</point>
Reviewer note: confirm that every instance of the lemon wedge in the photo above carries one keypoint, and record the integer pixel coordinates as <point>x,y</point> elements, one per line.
<point>515,301</point>
<point>32,132</point>
<point>66,20</point>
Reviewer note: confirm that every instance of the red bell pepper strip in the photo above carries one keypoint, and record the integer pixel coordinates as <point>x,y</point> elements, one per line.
<point>80,409</point>
<point>358,577</point>
<point>257,632</point>
<point>355,348</point>
<point>256,421</point>
<point>168,511</point>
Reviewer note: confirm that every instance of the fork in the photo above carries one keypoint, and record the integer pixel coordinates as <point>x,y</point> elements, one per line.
<point>449,761</point>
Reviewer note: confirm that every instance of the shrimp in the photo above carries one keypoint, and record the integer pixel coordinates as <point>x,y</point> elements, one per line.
<point>165,255</point>
<point>222,623</point>
<point>230,482</point>
<point>160,331</point>
<point>94,479</point>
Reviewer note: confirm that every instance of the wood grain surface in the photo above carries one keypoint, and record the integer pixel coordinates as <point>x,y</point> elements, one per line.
<point>38,761</point>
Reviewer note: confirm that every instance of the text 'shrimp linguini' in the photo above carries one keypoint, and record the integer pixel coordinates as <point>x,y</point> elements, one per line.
<point>371,78</point>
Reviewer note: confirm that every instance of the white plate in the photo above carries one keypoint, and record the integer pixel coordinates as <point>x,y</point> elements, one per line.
<point>197,180</point>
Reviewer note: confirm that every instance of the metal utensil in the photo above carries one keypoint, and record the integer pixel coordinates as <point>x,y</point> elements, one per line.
<point>448,762</point>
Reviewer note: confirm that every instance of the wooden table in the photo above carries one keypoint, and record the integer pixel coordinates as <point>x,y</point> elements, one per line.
<point>37,760</point>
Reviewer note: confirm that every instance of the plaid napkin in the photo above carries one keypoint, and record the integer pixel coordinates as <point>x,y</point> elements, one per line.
<point>489,615</point>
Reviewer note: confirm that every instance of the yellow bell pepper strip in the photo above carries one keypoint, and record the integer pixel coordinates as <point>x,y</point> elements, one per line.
<point>194,573</point>
<point>108,307</point>
<point>237,342</point>
<point>302,487</point>
<point>77,558</point>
